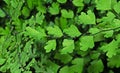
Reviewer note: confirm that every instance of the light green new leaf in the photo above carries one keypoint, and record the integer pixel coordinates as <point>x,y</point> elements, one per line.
<point>2,14</point>
<point>86,42</point>
<point>62,1</point>
<point>88,18</point>
<point>72,31</point>
<point>39,18</point>
<point>36,34</point>
<point>67,14</point>
<point>78,2</point>
<point>68,46</point>
<point>54,9</point>
<point>96,66</point>
<point>109,18</point>
<point>55,31</point>
<point>103,4</point>
<point>51,45</point>
<point>94,30</point>
<point>117,7</point>
<point>116,23</point>
<point>108,34</point>
<point>110,48</point>
<point>114,61</point>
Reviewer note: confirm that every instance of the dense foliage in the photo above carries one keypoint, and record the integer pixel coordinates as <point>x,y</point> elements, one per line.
<point>59,36</point>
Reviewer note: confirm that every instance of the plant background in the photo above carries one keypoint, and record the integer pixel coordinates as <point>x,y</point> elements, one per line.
<point>59,36</point>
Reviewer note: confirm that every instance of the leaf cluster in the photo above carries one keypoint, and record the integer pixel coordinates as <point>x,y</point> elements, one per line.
<point>59,36</point>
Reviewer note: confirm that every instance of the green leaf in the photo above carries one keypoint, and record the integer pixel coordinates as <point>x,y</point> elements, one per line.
<point>14,67</point>
<point>2,61</point>
<point>110,48</point>
<point>78,2</point>
<point>77,66</point>
<point>64,69</point>
<point>109,18</point>
<point>30,4</point>
<point>63,22</point>
<point>62,1</point>
<point>53,67</point>
<point>103,4</point>
<point>99,37</point>
<point>2,14</point>
<point>88,18</point>
<point>55,31</point>
<point>39,18</point>
<point>114,61</point>
<point>108,34</point>
<point>54,9</point>
<point>68,46</point>
<point>51,45</point>
<point>28,46</point>
<point>14,3</point>
<point>115,23</point>
<point>67,14</point>
<point>94,30</point>
<point>25,11</point>
<point>86,42</point>
<point>116,7</point>
<point>64,58</point>
<point>72,31</point>
<point>94,55</point>
<point>36,34</point>
<point>40,6</point>
<point>27,72</point>
<point>7,1</point>
<point>86,1</point>
<point>96,66</point>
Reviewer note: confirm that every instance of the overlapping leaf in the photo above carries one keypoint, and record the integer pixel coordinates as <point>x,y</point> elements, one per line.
<point>77,67</point>
<point>114,61</point>
<point>67,14</point>
<point>78,2</point>
<point>110,48</point>
<point>36,34</point>
<point>88,18</point>
<point>103,4</point>
<point>68,46</point>
<point>54,9</point>
<point>86,42</point>
<point>72,31</point>
<point>116,7</point>
<point>55,31</point>
<point>51,45</point>
<point>39,18</point>
<point>2,14</point>
<point>96,66</point>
